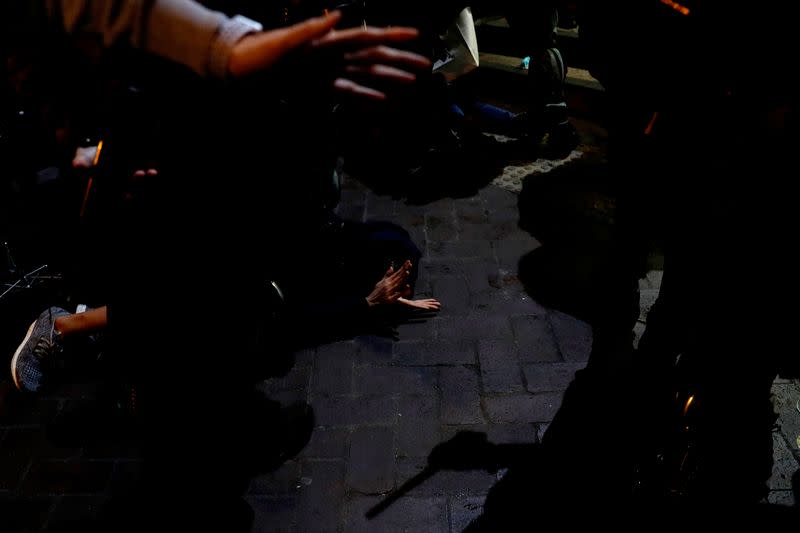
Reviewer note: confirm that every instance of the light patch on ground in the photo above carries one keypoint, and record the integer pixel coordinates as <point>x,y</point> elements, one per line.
<point>512,175</point>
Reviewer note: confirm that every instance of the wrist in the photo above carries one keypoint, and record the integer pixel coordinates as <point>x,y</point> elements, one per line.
<point>225,50</point>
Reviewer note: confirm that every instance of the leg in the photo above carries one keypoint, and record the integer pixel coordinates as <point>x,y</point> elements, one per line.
<point>534,24</point>
<point>88,322</point>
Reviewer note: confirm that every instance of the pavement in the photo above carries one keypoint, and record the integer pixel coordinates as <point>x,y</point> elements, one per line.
<point>493,360</point>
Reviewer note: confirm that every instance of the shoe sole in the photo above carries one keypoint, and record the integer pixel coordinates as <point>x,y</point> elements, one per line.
<point>14,374</point>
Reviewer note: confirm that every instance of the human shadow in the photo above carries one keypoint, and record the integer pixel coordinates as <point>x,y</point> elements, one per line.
<point>643,436</point>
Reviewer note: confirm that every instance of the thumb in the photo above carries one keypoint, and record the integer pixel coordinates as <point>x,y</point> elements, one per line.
<point>308,30</point>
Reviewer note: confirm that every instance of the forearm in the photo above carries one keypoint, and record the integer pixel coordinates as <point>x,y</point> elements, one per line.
<point>182,31</point>
<point>87,322</point>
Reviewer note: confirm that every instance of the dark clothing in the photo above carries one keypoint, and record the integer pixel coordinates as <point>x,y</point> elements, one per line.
<point>326,290</point>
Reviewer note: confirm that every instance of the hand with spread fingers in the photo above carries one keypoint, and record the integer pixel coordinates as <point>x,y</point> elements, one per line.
<point>391,287</point>
<point>364,59</point>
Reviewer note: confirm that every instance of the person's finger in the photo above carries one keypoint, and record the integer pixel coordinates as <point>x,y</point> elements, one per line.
<point>385,54</point>
<point>351,88</point>
<point>138,174</point>
<point>308,30</point>
<point>389,272</point>
<point>360,37</point>
<point>382,72</point>
<point>152,172</point>
<point>400,275</point>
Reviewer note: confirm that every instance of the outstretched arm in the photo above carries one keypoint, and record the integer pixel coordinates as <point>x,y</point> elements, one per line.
<point>215,45</point>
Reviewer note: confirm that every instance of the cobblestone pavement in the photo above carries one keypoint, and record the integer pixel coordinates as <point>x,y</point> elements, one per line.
<point>493,360</point>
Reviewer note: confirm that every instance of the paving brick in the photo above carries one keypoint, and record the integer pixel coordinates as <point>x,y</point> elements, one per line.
<point>16,453</point>
<point>520,303</point>
<point>305,356</point>
<point>574,337</point>
<point>372,349</point>
<point>519,409</point>
<point>396,380</point>
<point>472,212</point>
<point>432,353</point>
<point>652,280</point>
<point>513,433</point>
<point>370,466</point>
<point>418,327</point>
<point>541,430</point>
<point>453,293</point>
<point>784,498</point>
<point>333,368</point>
<point>285,480</point>
<point>479,274</point>
<point>508,253</point>
<point>638,331</point>
<point>126,475</point>
<point>354,212</point>
<point>299,377</point>
<point>408,220</point>
<point>460,396</point>
<point>439,267</point>
<point>444,482</point>
<point>327,443</point>
<point>550,377</point>
<point>418,515</point>
<point>785,397</point>
<point>480,231</point>
<point>784,466</point>
<point>505,379</point>
<point>289,397</point>
<point>379,207</point>
<point>460,249</point>
<point>440,228</point>
<point>21,515</point>
<point>500,366</point>
<point>509,281</point>
<point>71,510</point>
<point>499,215</point>
<point>523,433</point>
<point>352,197</point>
<point>121,448</point>
<point>36,440</point>
<point>474,327</point>
<point>497,433</point>
<point>321,496</point>
<point>647,298</point>
<point>468,203</point>
<point>72,477</point>
<point>274,514</point>
<point>498,199</point>
<point>512,232</point>
<point>418,237</point>
<point>464,510</point>
<point>437,207</point>
<point>349,411</point>
<point>17,409</point>
<point>535,339</point>
<point>418,429</point>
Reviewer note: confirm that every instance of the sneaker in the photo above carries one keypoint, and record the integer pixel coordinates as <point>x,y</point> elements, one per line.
<point>38,351</point>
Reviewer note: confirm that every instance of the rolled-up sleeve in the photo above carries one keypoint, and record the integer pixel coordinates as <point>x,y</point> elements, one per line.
<point>182,31</point>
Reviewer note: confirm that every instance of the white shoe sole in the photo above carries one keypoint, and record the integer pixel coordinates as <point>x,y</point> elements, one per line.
<point>14,374</point>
